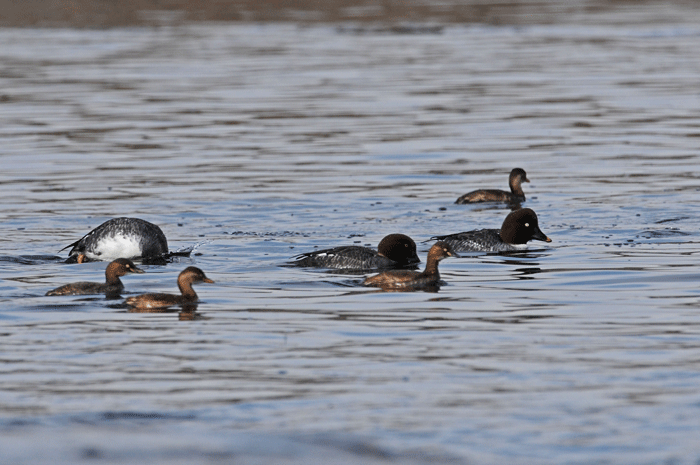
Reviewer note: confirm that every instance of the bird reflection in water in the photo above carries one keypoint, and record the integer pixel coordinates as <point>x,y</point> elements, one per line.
<point>188,312</point>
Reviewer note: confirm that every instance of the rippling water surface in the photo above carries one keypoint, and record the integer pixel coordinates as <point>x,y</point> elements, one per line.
<point>258,142</point>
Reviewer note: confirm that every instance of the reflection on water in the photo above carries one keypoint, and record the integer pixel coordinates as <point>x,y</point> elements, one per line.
<point>252,143</point>
<point>186,312</point>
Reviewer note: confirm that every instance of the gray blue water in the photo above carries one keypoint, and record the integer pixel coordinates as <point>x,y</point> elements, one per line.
<point>257,142</point>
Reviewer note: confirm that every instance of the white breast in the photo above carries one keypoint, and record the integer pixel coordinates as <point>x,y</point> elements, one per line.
<point>113,247</point>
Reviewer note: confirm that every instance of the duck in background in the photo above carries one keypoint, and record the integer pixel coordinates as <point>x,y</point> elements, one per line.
<point>119,238</point>
<point>516,194</point>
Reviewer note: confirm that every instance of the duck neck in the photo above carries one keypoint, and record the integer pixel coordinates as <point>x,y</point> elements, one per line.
<point>186,290</point>
<point>431,268</point>
<point>112,278</point>
<point>516,187</point>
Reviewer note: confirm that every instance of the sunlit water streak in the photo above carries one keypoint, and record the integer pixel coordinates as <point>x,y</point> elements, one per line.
<point>258,142</point>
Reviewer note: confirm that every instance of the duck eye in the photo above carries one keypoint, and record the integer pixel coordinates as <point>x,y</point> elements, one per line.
<point>527,225</point>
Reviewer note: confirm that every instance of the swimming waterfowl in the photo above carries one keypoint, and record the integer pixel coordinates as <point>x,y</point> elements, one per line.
<point>404,279</point>
<point>516,194</point>
<point>119,238</point>
<point>112,284</point>
<point>189,276</point>
<point>394,251</point>
<point>519,227</point>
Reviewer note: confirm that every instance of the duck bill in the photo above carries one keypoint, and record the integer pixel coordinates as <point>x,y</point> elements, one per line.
<point>207,280</point>
<point>540,236</point>
<point>453,254</point>
<point>136,270</point>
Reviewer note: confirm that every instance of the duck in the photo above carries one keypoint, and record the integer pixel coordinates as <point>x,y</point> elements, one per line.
<point>393,251</point>
<point>410,279</point>
<point>516,194</point>
<point>112,285</point>
<point>519,227</point>
<point>189,276</point>
<point>119,238</point>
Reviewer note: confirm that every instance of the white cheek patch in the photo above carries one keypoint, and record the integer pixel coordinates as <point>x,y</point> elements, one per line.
<point>117,246</point>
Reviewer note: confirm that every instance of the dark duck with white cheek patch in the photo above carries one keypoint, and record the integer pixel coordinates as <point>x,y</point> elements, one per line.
<point>407,279</point>
<point>519,227</point>
<point>516,194</point>
<point>189,276</point>
<point>119,238</point>
<point>112,284</point>
<point>394,251</point>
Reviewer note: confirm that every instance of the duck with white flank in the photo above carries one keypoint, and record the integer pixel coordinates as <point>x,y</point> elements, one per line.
<point>394,251</point>
<point>119,238</point>
<point>519,227</point>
